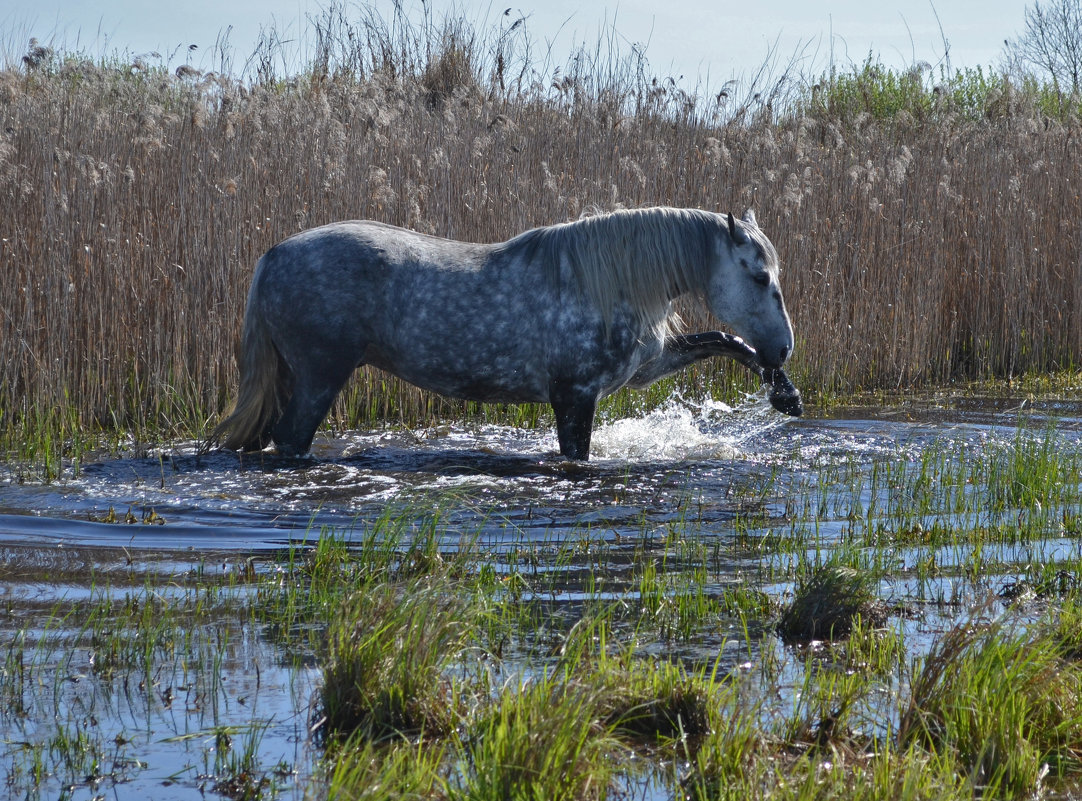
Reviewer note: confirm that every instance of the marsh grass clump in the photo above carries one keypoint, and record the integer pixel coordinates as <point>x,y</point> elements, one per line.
<point>541,739</point>
<point>657,701</point>
<point>829,603</point>
<point>390,648</point>
<point>827,708</point>
<point>736,758</point>
<point>1001,701</point>
<point>647,700</point>
<point>361,770</point>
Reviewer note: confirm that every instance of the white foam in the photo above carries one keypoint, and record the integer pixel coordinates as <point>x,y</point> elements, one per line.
<point>678,430</point>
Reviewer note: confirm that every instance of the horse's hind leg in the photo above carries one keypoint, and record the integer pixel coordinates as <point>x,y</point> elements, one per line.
<point>314,390</point>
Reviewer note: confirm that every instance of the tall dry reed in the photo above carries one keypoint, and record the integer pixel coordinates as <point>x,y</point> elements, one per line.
<point>135,201</point>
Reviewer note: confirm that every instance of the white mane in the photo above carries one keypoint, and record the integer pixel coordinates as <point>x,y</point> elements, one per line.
<point>641,257</point>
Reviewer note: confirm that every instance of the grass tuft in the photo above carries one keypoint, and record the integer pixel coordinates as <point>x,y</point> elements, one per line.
<point>390,649</point>
<point>645,700</point>
<point>539,740</point>
<point>361,770</point>
<point>1003,702</point>
<point>830,603</point>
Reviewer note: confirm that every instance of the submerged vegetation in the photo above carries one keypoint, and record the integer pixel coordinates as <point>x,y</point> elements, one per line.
<point>928,223</point>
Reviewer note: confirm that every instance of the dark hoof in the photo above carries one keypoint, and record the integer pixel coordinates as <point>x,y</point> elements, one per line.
<point>783,395</point>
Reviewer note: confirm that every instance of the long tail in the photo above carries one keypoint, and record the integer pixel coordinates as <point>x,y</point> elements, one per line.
<point>262,387</point>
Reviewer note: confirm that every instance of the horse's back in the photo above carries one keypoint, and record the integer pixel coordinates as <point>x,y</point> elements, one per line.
<point>355,269</point>
<point>458,318</point>
<point>365,248</point>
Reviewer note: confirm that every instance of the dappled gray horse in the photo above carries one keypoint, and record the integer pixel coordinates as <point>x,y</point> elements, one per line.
<point>564,314</point>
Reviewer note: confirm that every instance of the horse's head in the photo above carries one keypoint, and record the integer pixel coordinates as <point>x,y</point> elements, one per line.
<point>743,291</point>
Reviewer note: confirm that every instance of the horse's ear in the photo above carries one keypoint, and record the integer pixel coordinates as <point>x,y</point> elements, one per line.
<point>749,218</point>
<point>736,233</point>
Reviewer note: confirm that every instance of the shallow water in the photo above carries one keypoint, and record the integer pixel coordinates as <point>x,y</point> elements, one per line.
<point>705,468</point>
<point>503,483</point>
<point>511,479</point>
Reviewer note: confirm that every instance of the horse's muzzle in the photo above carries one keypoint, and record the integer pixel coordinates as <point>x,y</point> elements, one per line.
<point>769,363</point>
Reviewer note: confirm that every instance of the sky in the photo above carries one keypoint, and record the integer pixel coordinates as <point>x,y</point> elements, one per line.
<point>705,41</point>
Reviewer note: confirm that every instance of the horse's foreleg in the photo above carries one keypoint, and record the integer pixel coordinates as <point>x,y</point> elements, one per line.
<point>681,351</point>
<point>574,408</point>
<point>684,350</point>
<point>313,393</point>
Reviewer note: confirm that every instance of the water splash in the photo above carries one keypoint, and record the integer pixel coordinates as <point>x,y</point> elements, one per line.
<point>685,429</point>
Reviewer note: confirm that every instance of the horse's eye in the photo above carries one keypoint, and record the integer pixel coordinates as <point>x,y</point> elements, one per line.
<point>762,279</point>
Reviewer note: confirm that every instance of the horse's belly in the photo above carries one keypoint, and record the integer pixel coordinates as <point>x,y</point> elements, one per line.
<point>496,380</point>
<point>519,383</point>
<point>481,388</point>
<point>499,392</point>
